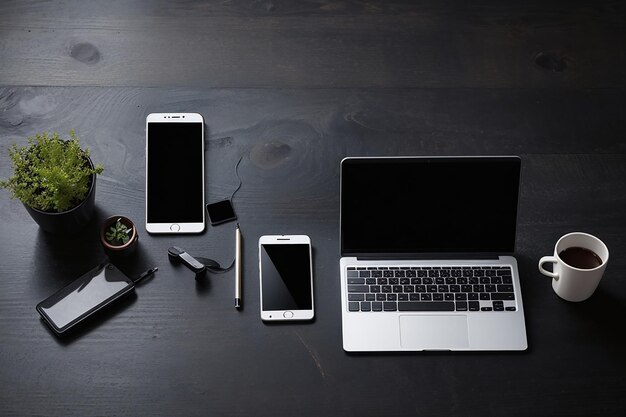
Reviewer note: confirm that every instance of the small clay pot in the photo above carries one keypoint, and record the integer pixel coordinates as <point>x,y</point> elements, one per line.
<point>119,250</point>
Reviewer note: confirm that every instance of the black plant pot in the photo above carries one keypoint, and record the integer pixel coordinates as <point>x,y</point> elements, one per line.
<point>71,221</point>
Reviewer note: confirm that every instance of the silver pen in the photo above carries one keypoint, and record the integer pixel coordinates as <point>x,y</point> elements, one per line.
<point>237,267</point>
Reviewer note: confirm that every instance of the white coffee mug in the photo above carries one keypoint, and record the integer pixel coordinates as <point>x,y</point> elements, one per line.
<point>571,283</point>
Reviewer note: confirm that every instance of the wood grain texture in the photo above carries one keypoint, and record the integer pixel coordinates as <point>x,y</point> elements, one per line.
<point>180,348</point>
<point>293,87</point>
<point>314,44</point>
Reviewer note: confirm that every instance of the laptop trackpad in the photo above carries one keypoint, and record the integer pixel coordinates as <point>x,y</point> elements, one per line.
<point>433,332</point>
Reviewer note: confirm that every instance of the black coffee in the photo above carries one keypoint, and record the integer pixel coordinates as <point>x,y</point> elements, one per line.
<point>581,258</point>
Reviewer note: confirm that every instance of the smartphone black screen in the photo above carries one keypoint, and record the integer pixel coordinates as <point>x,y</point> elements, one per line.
<point>82,297</point>
<point>286,274</point>
<point>175,173</point>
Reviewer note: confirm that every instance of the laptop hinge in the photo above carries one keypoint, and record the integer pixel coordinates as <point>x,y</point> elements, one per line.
<point>428,256</point>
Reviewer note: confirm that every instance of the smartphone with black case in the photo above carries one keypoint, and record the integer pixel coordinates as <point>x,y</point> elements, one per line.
<point>85,296</point>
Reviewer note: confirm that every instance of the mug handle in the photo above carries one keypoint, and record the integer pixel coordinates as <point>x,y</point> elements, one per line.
<point>544,271</point>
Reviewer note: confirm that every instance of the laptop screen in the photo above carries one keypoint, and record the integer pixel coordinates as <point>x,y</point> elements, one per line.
<point>411,205</point>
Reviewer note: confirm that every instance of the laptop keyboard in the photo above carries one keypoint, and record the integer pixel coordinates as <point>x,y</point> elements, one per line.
<point>486,288</point>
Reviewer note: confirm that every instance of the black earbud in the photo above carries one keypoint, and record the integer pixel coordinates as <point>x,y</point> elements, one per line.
<point>176,253</point>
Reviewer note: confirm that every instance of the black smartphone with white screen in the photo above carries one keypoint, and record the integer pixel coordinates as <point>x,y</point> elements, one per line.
<point>88,294</point>
<point>175,173</point>
<point>286,277</point>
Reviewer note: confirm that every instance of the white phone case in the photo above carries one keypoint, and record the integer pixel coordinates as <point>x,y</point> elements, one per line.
<point>272,315</point>
<point>175,227</point>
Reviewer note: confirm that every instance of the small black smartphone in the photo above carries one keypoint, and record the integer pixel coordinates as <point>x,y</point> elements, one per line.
<point>85,296</point>
<point>221,212</point>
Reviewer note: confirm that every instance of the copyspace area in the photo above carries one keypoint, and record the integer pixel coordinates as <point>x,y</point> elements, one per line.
<point>293,87</point>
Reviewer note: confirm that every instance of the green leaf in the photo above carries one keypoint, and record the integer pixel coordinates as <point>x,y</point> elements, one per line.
<point>50,173</point>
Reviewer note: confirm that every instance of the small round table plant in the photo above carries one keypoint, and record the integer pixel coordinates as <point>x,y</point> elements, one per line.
<point>119,236</point>
<point>55,179</point>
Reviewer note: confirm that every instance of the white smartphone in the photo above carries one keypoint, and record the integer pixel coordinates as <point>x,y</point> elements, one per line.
<point>286,277</point>
<point>175,173</point>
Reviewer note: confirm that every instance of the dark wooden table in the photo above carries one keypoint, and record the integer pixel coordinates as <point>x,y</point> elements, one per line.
<point>293,87</point>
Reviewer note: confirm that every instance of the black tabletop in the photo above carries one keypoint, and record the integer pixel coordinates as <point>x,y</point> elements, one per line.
<point>292,88</point>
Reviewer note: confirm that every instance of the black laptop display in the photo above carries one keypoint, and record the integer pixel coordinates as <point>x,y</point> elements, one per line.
<point>429,205</point>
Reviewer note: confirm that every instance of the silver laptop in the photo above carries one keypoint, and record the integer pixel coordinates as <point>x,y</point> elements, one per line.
<point>426,246</point>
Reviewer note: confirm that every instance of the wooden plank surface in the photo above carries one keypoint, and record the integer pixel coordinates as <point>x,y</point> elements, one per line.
<point>180,347</point>
<point>314,44</point>
<point>293,87</point>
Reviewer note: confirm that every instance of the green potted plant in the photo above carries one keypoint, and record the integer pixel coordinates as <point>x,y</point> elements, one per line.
<point>118,236</point>
<point>55,179</point>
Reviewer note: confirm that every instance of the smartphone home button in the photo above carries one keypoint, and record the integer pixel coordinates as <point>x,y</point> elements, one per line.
<point>288,314</point>
<point>175,227</point>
